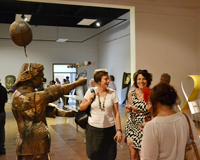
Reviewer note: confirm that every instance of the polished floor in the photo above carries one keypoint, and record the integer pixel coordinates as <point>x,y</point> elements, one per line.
<point>67,140</point>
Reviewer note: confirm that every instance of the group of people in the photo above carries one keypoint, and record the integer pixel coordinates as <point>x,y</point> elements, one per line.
<point>153,129</point>
<point>57,81</point>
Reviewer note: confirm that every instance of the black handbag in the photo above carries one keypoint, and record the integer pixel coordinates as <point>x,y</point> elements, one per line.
<point>81,118</point>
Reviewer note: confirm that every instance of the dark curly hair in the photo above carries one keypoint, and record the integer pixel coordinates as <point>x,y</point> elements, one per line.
<point>146,74</point>
<point>164,94</point>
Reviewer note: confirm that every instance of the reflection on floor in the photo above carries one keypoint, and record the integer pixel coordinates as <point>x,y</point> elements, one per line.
<point>67,141</point>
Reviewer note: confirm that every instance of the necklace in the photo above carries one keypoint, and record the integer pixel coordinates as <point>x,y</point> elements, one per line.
<point>104,100</point>
<point>140,95</point>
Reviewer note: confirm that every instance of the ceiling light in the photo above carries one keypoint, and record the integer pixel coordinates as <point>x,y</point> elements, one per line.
<point>86,22</point>
<point>61,40</point>
<point>25,17</point>
<point>98,24</point>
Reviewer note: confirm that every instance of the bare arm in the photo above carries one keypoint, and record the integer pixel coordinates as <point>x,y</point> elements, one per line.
<point>85,103</point>
<point>118,122</point>
<point>128,108</point>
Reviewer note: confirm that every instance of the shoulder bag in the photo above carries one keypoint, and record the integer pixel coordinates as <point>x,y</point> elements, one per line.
<point>81,118</point>
<point>191,150</point>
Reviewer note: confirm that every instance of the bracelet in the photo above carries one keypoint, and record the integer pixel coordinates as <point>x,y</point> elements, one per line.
<point>119,130</point>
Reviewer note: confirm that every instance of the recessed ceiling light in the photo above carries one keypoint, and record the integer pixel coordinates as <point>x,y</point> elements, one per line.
<point>61,40</point>
<point>98,24</point>
<point>26,17</point>
<point>86,22</point>
<point>23,17</point>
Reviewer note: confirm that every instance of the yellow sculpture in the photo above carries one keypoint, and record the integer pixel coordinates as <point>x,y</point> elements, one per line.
<point>192,101</point>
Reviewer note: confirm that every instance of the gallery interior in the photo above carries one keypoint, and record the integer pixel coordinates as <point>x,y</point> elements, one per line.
<point>160,36</point>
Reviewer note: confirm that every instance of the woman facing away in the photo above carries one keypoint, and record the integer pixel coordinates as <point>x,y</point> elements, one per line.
<point>138,113</point>
<point>167,134</point>
<point>101,134</point>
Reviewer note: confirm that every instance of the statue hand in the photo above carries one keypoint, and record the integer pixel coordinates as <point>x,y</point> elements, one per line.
<point>74,113</point>
<point>71,113</point>
<point>82,81</point>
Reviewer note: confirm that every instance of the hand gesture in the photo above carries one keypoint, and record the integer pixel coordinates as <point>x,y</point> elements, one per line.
<point>149,106</point>
<point>134,109</point>
<point>128,108</point>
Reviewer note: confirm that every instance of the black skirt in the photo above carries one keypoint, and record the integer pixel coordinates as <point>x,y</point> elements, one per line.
<point>100,144</point>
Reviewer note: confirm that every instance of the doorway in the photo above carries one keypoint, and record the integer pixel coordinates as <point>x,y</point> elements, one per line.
<point>61,71</point>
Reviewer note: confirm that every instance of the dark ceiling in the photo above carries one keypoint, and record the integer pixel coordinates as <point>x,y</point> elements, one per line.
<point>48,14</point>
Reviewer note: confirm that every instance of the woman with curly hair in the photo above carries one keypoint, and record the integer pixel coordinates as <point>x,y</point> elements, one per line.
<point>138,113</point>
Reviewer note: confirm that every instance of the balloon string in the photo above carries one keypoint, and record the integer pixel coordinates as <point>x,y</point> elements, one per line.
<point>26,54</point>
<point>28,61</point>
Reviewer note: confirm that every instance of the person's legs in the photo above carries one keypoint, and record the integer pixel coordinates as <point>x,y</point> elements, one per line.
<point>64,102</point>
<point>67,99</point>
<point>59,100</point>
<point>140,154</point>
<point>133,153</point>
<point>2,133</point>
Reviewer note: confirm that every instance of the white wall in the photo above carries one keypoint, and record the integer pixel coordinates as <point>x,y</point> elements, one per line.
<point>46,52</point>
<point>166,42</point>
<point>114,53</point>
<point>198,39</point>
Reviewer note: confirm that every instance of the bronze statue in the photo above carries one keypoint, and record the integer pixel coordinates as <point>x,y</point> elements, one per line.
<point>9,81</point>
<point>30,109</point>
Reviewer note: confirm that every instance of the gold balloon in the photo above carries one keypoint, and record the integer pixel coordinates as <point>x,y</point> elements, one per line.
<point>20,32</point>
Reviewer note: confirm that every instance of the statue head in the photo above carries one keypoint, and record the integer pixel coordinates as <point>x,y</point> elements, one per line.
<point>30,72</point>
<point>9,81</point>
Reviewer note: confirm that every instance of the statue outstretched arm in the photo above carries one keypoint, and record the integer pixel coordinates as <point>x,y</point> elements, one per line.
<point>52,111</point>
<point>54,92</point>
<point>66,88</point>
